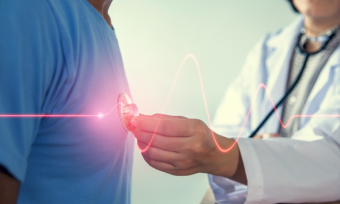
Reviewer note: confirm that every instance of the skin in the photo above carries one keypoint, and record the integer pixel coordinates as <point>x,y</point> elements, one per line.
<point>9,188</point>
<point>183,146</point>
<point>266,135</point>
<point>102,6</point>
<point>319,16</point>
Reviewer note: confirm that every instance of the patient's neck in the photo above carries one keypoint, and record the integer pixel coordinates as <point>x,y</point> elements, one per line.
<point>102,6</point>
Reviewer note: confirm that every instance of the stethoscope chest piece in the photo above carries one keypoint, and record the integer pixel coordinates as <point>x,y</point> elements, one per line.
<point>126,111</point>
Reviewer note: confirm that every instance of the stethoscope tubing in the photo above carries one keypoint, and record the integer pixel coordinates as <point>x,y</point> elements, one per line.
<point>293,86</point>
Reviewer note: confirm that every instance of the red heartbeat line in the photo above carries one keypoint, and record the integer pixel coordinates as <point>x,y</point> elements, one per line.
<point>100,115</point>
<point>207,111</point>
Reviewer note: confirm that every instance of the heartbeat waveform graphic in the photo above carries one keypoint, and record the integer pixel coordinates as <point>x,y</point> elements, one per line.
<point>207,111</point>
<point>101,115</point>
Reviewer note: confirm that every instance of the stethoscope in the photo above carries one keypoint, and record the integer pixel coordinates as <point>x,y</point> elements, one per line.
<point>127,109</point>
<point>326,40</point>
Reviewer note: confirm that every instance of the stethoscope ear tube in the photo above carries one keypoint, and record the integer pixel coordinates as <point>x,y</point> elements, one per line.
<point>292,87</point>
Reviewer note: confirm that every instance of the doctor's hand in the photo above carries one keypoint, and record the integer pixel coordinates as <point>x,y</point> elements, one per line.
<point>182,146</point>
<point>266,135</point>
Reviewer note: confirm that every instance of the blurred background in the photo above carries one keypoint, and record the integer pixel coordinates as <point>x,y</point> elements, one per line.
<point>155,36</point>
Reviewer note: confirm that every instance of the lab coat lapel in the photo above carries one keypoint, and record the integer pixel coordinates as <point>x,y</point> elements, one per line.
<point>277,64</point>
<point>323,82</point>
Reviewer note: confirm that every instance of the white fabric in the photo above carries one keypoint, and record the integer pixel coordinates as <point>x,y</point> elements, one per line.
<point>305,168</point>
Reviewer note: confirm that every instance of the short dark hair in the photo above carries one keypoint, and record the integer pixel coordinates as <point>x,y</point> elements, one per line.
<point>293,7</point>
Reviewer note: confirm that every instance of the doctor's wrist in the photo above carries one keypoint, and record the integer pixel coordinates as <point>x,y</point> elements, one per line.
<point>224,164</point>
<point>229,164</point>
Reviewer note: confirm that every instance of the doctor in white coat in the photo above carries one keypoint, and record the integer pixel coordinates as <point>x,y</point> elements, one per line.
<point>301,167</point>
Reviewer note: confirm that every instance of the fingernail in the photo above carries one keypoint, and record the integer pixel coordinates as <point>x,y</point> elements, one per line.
<point>135,121</point>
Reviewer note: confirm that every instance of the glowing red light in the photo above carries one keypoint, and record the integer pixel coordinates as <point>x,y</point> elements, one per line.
<point>99,115</point>
<point>127,110</point>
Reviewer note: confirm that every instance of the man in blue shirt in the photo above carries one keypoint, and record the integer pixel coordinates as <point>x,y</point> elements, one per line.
<point>61,57</point>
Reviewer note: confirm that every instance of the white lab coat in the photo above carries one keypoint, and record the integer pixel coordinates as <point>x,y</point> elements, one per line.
<point>305,168</point>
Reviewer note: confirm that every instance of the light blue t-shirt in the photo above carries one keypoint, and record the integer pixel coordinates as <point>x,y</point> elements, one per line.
<point>61,57</point>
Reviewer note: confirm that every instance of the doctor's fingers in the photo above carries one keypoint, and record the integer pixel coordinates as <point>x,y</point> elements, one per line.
<point>168,168</point>
<point>266,135</point>
<point>158,141</point>
<point>167,127</point>
<point>159,154</point>
<point>169,162</point>
<point>161,166</point>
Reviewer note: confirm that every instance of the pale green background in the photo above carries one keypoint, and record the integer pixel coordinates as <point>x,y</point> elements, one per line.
<point>154,36</point>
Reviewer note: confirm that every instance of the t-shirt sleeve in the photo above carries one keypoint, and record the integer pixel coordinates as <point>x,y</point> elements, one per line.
<point>28,56</point>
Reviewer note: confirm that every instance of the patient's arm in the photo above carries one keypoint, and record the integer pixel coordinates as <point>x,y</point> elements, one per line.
<point>9,187</point>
